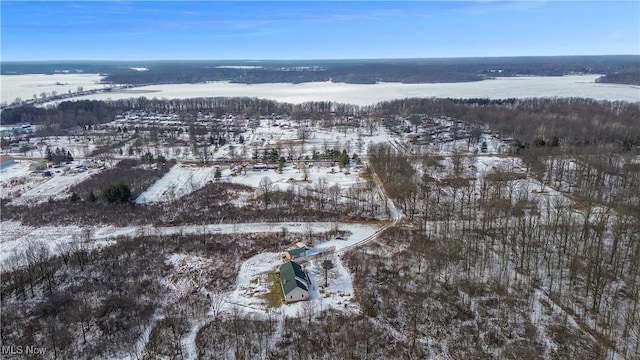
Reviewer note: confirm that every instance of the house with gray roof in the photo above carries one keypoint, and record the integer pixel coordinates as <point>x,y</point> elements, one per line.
<point>294,282</point>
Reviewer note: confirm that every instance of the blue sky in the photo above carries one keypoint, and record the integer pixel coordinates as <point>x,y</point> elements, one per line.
<point>145,30</point>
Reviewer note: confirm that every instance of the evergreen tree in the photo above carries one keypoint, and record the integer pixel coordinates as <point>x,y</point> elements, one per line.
<point>91,197</point>
<point>161,160</point>
<point>356,159</point>
<point>147,158</point>
<point>118,193</point>
<point>343,160</point>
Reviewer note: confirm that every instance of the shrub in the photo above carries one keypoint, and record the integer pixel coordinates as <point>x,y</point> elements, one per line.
<point>118,193</point>
<point>91,197</point>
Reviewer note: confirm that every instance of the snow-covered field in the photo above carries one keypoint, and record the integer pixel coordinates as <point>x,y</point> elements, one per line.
<point>179,181</point>
<point>79,146</point>
<point>253,178</point>
<point>26,86</point>
<point>24,186</point>
<point>55,187</point>
<point>359,94</point>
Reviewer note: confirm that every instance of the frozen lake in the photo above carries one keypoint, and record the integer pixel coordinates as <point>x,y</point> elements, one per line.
<point>26,86</point>
<point>517,87</point>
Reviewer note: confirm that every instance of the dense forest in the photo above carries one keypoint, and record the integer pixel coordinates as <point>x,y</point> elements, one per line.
<point>66,115</point>
<point>348,71</point>
<point>575,121</point>
<point>630,77</point>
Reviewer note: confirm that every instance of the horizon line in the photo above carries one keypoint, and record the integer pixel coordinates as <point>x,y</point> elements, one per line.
<point>318,59</point>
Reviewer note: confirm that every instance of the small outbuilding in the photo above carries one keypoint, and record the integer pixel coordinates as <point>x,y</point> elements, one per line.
<point>294,282</point>
<point>295,253</point>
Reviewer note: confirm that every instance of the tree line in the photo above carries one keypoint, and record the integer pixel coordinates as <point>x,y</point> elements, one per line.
<point>628,76</point>
<point>349,71</point>
<point>574,121</point>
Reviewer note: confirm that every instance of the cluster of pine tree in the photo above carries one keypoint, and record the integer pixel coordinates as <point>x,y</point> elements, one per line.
<point>59,155</point>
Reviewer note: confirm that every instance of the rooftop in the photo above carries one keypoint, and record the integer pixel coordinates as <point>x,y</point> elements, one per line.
<point>292,276</point>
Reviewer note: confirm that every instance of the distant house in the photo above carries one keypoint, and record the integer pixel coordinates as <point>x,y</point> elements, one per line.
<point>295,253</point>
<point>294,282</point>
<point>16,130</point>
<point>260,167</point>
<point>6,161</point>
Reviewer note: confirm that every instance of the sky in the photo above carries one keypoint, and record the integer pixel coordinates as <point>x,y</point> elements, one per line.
<point>260,30</point>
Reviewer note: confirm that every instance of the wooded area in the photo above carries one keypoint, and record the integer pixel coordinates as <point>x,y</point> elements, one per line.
<point>531,251</point>
<point>348,71</point>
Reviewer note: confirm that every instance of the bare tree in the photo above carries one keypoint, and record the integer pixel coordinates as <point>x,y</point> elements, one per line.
<point>218,301</point>
<point>321,190</point>
<point>37,254</point>
<point>304,133</point>
<point>266,189</point>
<point>334,195</point>
<point>326,266</point>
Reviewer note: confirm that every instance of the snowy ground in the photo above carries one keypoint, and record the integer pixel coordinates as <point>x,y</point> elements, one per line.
<point>24,186</point>
<point>179,181</point>
<point>15,236</point>
<point>55,187</point>
<point>17,179</point>
<point>282,181</point>
<point>79,146</point>
<point>252,281</point>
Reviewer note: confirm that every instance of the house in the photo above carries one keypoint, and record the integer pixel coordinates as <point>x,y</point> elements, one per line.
<point>6,161</point>
<point>260,167</point>
<point>294,282</point>
<point>295,253</point>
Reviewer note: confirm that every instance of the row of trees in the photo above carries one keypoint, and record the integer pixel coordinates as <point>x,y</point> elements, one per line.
<point>58,156</point>
<point>573,121</point>
<point>630,76</point>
